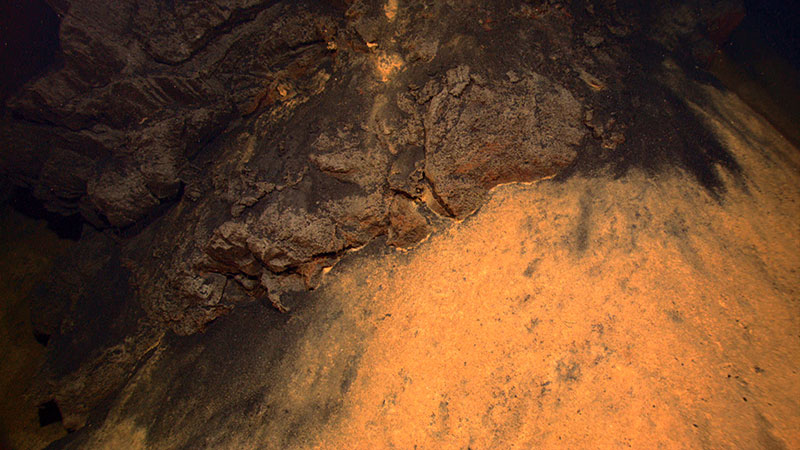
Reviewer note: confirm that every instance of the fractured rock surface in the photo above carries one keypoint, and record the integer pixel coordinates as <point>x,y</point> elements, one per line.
<point>479,135</point>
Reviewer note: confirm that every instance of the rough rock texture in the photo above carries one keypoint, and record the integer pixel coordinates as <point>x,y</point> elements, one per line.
<point>478,136</point>
<point>142,87</point>
<point>234,149</point>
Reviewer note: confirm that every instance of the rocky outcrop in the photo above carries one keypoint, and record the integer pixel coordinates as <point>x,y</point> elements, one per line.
<point>480,134</point>
<point>235,149</point>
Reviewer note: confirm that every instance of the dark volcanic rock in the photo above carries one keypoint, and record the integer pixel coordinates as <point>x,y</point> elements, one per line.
<point>323,119</point>
<point>143,87</point>
<point>480,135</point>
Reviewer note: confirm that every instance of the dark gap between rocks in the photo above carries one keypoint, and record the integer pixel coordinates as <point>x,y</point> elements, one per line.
<point>66,227</point>
<point>49,413</point>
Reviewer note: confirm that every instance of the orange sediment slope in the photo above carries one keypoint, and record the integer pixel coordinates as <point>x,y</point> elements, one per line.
<point>593,314</point>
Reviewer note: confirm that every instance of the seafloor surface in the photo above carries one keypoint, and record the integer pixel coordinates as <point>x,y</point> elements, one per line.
<point>644,292</point>
<point>589,312</point>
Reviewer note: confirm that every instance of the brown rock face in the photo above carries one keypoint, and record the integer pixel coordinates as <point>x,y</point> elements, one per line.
<point>479,135</point>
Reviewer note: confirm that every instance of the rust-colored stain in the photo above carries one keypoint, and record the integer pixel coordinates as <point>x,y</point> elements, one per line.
<point>387,64</point>
<point>390,10</point>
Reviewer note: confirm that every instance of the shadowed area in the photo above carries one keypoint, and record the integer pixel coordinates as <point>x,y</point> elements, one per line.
<point>28,252</point>
<point>28,42</point>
